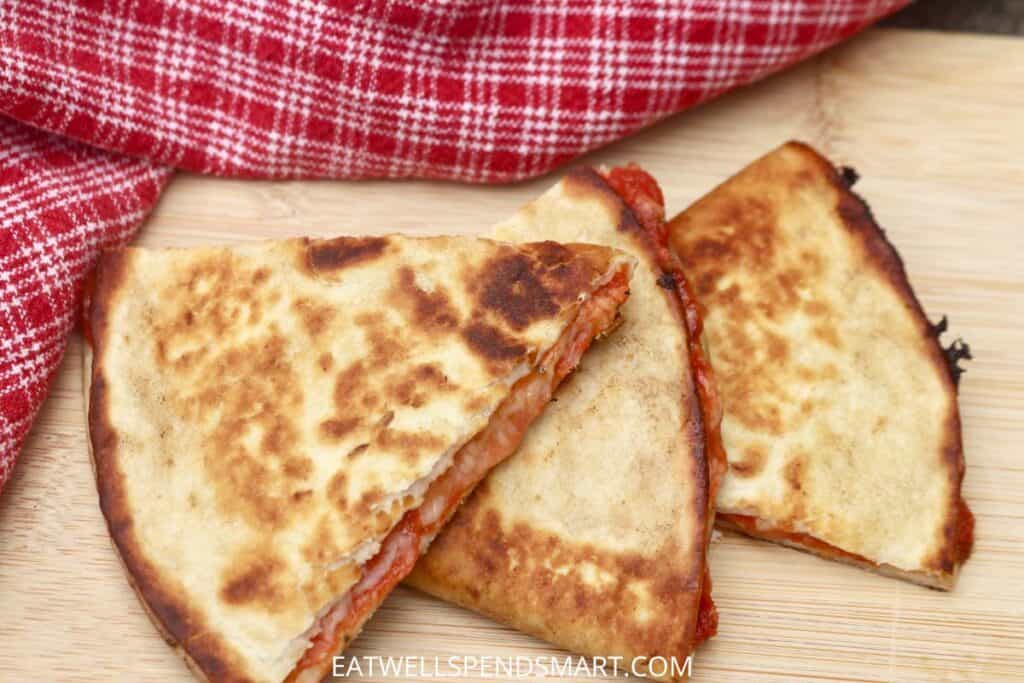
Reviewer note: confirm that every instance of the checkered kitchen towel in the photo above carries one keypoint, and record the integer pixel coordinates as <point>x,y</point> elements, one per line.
<point>103,97</point>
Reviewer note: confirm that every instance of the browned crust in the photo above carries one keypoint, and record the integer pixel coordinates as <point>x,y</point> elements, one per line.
<point>857,218</point>
<point>341,252</point>
<point>180,625</point>
<point>500,566</point>
<point>882,254</point>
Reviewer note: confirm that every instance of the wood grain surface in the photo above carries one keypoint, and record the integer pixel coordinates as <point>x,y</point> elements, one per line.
<point>933,124</point>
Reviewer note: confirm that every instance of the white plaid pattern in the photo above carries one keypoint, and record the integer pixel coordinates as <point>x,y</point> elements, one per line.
<point>472,90</point>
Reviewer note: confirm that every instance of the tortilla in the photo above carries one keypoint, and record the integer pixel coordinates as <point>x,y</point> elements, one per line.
<point>841,422</point>
<point>594,536</point>
<point>278,428</point>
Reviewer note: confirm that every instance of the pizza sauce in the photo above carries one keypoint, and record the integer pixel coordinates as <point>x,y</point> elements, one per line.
<point>643,196</point>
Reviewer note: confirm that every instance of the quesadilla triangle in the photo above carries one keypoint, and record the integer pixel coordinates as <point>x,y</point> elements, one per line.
<point>841,419</point>
<point>280,429</point>
<point>595,535</point>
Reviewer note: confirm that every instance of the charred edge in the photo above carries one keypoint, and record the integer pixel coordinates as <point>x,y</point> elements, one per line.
<point>849,176</point>
<point>667,281</point>
<point>342,252</point>
<point>859,219</point>
<point>175,622</point>
<point>957,351</point>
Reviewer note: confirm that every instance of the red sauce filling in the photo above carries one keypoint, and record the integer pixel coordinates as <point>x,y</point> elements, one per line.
<point>962,542</point>
<point>749,526</point>
<point>641,193</point>
<point>964,534</point>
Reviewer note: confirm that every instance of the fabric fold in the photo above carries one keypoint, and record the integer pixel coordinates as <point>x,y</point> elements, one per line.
<point>61,202</point>
<point>480,91</point>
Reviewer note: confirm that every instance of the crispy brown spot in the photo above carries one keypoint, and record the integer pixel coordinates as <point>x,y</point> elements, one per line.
<point>827,334</point>
<point>336,429</point>
<point>343,252</point>
<point>358,450</point>
<point>416,387</point>
<point>491,343</point>
<point>550,253</point>
<point>322,548</point>
<point>430,310</point>
<point>751,464</point>
<point>386,345</point>
<point>408,442</point>
<point>369,500</point>
<point>297,467</point>
<point>812,263</point>
<point>790,282</point>
<point>352,399</point>
<point>214,299</point>
<point>325,361</point>
<point>337,489</point>
<point>513,290</point>
<point>475,404</point>
<point>258,580</point>
<point>431,374</point>
<point>818,309</point>
<point>793,473</point>
<point>406,393</point>
<point>777,347</point>
<point>315,317</point>
<point>348,382</point>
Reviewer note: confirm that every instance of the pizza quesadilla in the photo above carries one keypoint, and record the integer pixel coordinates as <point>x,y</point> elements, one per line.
<point>280,429</point>
<point>841,419</point>
<point>595,535</point>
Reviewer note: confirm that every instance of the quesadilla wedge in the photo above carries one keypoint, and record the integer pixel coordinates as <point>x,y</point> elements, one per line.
<point>841,419</point>
<point>594,536</point>
<point>280,429</point>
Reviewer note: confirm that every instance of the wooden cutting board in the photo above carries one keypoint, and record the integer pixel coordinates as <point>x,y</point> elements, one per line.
<point>934,124</point>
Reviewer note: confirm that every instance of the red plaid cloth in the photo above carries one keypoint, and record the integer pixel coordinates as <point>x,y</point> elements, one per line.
<point>471,90</point>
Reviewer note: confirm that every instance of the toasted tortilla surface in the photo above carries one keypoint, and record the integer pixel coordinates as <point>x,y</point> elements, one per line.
<point>841,421</point>
<point>262,415</point>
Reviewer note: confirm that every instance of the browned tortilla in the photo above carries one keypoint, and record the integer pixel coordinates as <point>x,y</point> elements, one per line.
<point>261,416</point>
<point>841,422</point>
